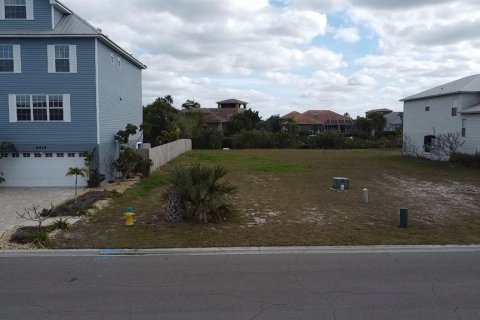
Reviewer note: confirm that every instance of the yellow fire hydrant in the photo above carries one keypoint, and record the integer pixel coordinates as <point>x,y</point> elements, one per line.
<point>129,217</point>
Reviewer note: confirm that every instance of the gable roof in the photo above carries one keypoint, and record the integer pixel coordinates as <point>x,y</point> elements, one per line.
<point>72,25</point>
<point>467,84</point>
<point>232,101</point>
<point>394,118</point>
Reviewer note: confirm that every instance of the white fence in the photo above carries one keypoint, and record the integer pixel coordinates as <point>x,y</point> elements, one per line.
<point>162,154</point>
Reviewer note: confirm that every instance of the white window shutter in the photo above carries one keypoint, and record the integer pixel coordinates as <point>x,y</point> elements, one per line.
<point>12,107</point>
<point>29,4</point>
<point>2,9</point>
<point>51,58</point>
<point>17,59</point>
<point>67,113</point>
<point>73,58</point>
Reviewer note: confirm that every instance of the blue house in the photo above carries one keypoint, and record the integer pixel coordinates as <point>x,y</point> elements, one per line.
<point>65,89</point>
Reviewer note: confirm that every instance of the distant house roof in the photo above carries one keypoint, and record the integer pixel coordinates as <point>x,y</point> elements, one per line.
<point>382,110</point>
<point>315,117</point>
<point>471,110</point>
<point>394,118</point>
<point>215,115</point>
<point>232,101</point>
<point>323,116</point>
<point>467,84</point>
<point>305,119</point>
<point>73,26</point>
<point>291,115</point>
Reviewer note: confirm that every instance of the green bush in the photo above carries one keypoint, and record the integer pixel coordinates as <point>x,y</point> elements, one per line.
<point>95,179</point>
<point>467,159</point>
<point>40,239</point>
<point>255,139</point>
<point>335,140</point>
<point>208,139</point>
<point>198,193</point>
<point>61,224</point>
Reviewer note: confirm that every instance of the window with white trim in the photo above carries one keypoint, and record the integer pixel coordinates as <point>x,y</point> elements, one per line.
<point>55,108</point>
<point>26,155</point>
<point>62,58</point>
<point>60,155</point>
<point>24,108</point>
<point>6,58</point>
<point>3,155</point>
<point>39,108</point>
<point>37,155</point>
<point>15,155</point>
<point>40,112</point>
<point>10,58</point>
<point>71,154</point>
<point>48,155</point>
<point>16,9</point>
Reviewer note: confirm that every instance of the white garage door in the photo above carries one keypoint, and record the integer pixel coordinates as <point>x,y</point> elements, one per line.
<point>30,169</point>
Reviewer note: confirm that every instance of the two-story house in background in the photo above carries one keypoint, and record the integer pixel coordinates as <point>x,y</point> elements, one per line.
<point>452,108</point>
<point>65,89</point>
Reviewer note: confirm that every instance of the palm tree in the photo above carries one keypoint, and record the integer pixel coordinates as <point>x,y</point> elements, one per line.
<point>76,171</point>
<point>191,104</point>
<point>198,192</point>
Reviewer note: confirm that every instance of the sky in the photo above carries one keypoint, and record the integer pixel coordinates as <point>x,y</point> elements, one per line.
<point>284,55</point>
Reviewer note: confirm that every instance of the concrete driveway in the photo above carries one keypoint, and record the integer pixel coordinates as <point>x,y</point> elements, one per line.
<point>16,199</point>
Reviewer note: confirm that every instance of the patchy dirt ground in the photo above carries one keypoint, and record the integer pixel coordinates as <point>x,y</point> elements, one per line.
<point>284,198</point>
<point>439,201</point>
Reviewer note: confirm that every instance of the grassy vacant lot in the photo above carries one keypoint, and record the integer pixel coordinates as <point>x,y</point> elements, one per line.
<point>284,198</point>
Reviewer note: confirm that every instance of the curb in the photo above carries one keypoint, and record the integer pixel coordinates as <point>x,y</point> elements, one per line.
<point>239,251</point>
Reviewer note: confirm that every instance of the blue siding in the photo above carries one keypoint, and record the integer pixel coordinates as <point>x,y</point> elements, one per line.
<point>57,16</point>
<point>42,15</point>
<point>120,93</point>
<point>35,79</point>
<point>120,102</point>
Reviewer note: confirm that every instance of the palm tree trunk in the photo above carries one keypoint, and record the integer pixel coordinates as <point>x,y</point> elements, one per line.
<point>76,177</point>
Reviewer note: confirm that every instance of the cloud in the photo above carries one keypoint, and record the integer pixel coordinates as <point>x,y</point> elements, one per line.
<point>269,55</point>
<point>350,35</point>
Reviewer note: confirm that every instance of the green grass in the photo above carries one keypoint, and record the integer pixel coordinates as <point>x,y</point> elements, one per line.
<point>284,198</point>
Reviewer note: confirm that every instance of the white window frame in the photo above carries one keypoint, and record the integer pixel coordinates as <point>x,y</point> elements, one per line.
<point>72,51</point>
<point>17,60</point>
<point>12,102</point>
<point>30,15</point>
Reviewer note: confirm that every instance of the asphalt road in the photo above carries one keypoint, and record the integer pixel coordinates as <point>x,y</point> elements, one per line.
<point>323,285</point>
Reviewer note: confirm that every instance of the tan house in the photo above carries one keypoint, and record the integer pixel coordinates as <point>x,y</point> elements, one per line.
<point>218,118</point>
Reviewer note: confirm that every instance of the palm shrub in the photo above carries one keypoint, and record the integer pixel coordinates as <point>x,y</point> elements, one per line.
<point>76,171</point>
<point>198,193</point>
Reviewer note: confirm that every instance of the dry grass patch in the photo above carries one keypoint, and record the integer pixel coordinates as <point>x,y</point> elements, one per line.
<point>284,198</point>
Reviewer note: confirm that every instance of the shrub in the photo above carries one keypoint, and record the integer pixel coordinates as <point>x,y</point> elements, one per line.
<point>95,179</point>
<point>335,140</point>
<point>264,140</point>
<point>208,139</point>
<point>61,224</point>
<point>199,193</point>
<point>40,239</point>
<point>466,159</point>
